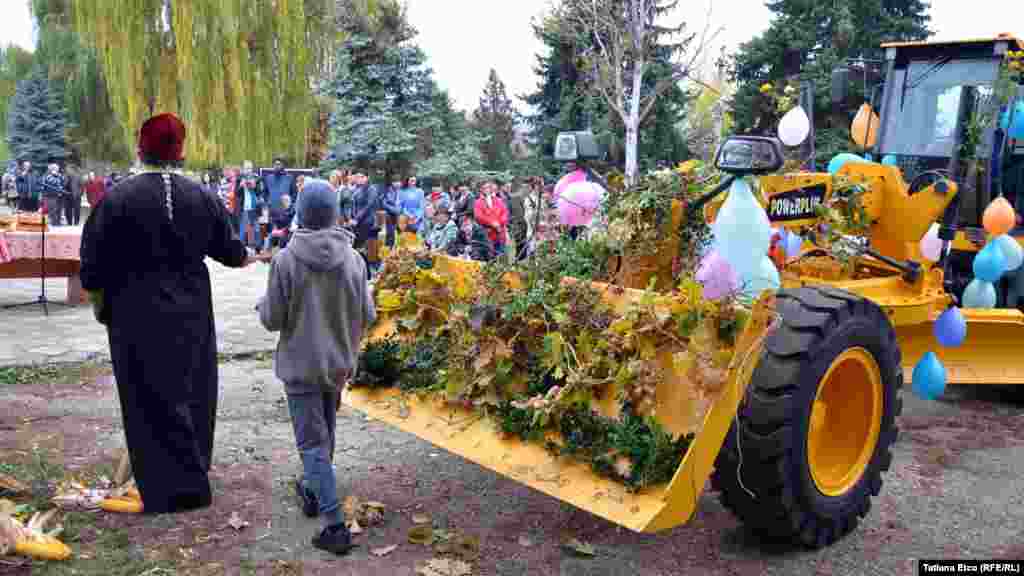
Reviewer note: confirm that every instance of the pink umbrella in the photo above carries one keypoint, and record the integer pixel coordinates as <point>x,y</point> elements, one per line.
<point>578,203</point>
<point>570,178</point>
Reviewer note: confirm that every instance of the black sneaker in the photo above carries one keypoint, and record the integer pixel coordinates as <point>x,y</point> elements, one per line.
<point>310,505</point>
<point>334,539</point>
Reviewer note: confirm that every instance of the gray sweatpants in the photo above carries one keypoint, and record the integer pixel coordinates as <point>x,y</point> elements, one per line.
<point>314,415</point>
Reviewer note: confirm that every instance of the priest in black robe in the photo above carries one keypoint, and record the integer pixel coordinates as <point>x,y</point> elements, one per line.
<point>142,257</point>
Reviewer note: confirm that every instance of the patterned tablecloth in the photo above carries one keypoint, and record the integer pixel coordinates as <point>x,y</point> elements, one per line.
<point>62,243</point>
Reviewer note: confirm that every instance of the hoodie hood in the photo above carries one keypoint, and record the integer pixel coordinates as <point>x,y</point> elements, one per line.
<point>321,250</point>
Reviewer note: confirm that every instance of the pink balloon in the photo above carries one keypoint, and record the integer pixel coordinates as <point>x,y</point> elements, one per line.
<point>570,178</point>
<point>578,203</point>
<point>717,276</point>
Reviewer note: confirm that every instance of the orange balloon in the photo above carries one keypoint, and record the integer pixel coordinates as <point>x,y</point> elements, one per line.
<point>864,128</point>
<point>999,218</point>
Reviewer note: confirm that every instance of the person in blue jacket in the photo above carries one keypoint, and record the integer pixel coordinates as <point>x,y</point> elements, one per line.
<point>411,201</point>
<point>389,202</point>
<point>277,183</point>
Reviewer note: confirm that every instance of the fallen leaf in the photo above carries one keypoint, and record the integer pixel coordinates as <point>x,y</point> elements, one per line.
<point>444,567</point>
<point>236,522</point>
<point>420,519</point>
<point>578,547</point>
<point>384,551</point>
<point>10,484</point>
<point>525,541</point>
<point>421,534</point>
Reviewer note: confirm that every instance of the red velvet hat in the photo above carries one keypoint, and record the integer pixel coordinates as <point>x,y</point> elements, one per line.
<point>162,138</point>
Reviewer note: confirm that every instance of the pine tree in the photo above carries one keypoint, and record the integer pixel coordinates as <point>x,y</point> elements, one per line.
<point>451,147</point>
<point>383,95</point>
<point>495,119</point>
<point>37,122</point>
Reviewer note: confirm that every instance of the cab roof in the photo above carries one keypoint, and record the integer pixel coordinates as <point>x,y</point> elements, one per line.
<point>1013,40</point>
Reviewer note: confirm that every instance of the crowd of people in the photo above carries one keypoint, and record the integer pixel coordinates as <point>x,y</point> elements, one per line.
<point>57,192</point>
<point>479,225</point>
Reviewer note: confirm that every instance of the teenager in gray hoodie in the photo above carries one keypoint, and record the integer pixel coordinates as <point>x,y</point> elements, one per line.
<point>319,299</point>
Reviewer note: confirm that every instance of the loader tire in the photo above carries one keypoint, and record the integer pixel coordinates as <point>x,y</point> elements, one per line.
<point>787,475</point>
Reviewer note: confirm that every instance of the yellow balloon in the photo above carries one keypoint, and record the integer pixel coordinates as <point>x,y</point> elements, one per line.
<point>864,129</point>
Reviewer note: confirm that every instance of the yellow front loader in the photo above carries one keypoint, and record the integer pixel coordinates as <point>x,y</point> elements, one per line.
<point>798,437</point>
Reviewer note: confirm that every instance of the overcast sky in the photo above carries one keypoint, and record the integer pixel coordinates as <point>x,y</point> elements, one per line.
<point>464,39</point>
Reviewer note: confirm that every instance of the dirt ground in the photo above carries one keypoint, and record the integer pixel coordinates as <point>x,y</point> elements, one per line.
<point>956,490</point>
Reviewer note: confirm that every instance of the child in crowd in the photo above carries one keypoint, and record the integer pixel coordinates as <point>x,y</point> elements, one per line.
<point>443,231</point>
<point>319,299</point>
<point>472,241</point>
<point>280,223</point>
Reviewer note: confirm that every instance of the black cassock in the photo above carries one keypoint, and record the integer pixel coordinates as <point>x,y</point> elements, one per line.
<point>158,309</point>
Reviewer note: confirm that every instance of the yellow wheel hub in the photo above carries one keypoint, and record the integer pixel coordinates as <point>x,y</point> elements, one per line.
<point>846,418</point>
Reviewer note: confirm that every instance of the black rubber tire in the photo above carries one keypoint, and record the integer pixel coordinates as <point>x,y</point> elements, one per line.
<point>818,323</point>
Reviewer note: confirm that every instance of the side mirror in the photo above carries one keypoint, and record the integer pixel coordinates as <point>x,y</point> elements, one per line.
<point>840,85</point>
<point>574,146</point>
<point>742,155</point>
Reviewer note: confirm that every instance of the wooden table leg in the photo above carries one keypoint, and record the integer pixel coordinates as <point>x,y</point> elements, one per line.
<point>76,296</point>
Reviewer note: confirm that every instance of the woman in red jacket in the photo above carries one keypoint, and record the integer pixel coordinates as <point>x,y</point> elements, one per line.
<point>491,213</point>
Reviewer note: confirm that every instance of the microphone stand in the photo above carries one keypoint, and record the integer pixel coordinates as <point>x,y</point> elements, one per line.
<point>42,273</point>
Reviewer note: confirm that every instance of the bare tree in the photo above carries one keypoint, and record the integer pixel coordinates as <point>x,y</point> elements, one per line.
<point>620,40</point>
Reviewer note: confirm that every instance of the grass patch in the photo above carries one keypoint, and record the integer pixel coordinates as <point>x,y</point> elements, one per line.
<point>108,553</point>
<point>60,373</point>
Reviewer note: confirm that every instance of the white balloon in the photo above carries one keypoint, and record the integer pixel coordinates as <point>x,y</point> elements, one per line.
<point>931,245</point>
<point>794,127</point>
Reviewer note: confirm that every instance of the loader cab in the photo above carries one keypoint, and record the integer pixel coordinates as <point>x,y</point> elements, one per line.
<point>932,89</point>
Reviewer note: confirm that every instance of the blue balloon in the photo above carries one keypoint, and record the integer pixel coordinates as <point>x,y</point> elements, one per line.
<point>989,264</point>
<point>979,294</point>
<point>1016,130</point>
<point>890,160</point>
<point>929,379</point>
<point>1013,255</point>
<point>1004,118</point>
<point>840,160</point>
<point>950,328</point>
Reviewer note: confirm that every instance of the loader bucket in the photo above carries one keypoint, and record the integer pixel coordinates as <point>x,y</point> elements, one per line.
<point>989,355</point>
<point>473,437</point>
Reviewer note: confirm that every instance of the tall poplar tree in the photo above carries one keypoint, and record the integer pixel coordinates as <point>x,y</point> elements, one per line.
<point>238,72</point>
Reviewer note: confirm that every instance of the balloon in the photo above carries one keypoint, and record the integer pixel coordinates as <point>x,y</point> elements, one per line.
<point>979,294</point>
<point>840,160</point>
<point>1016,130</point>
<point>950,328</point>
<point>1004,118</point>
<point>742,230</point>
<point>1013,255</point>
<point>931,245</point>
<point>989,263</point>
<point>890,160</point>
<point>571,177</point>
<point>578,203</point>
<point>864,128</point>
<point>794,127</point>
<point>717,276</point>
<point>793,246</point>
<point>999,217</point>
<point>767,278</point>
<point>929,378</point>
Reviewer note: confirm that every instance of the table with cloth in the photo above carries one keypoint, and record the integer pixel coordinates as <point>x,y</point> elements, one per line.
<point>21,254</point>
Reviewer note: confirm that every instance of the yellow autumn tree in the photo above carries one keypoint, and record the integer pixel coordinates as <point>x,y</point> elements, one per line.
<point>238,72</point>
